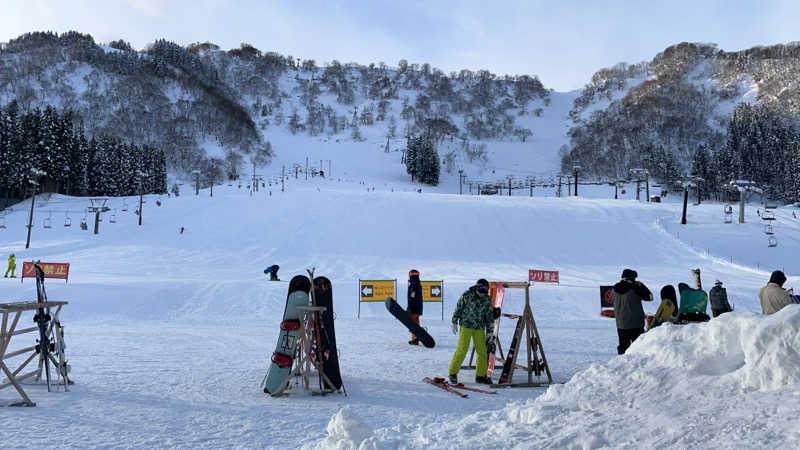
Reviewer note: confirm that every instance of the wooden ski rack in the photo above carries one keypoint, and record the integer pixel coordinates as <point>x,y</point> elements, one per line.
<point>8,331</point>
<point>304,358</point>
<point>536,361</point>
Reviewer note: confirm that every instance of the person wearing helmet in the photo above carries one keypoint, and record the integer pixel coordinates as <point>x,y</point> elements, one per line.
<point>11,266</point>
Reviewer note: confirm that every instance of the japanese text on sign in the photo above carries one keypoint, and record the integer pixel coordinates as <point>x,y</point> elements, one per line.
<point>375,290</point>
<point>51,270</point>
<point>543,276</point>
<point>431,291</point>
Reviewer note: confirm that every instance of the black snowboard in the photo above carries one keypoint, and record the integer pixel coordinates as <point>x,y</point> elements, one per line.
<point>323,296</point>
<point>401,315</point>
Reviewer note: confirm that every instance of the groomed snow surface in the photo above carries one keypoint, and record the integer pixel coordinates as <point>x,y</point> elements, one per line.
<point>169,335</point>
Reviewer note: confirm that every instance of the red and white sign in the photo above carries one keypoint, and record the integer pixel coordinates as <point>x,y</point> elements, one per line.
<point>543,276</point>
<point>51,270</point>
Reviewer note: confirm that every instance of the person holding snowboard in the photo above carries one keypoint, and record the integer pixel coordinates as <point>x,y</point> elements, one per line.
<point>773,296</point>
<point>11,266</point>
<point>414,308</point>
<point>474,314</point>
<point>627,296</point>
<point>718,296</point>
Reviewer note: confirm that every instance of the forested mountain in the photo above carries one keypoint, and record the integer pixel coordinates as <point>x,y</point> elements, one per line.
<point>673,113</point>
<point>185,100</point>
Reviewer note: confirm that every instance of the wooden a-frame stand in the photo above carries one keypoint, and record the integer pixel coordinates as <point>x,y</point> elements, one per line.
<point>8,331</point>
<point>526,326</point>
<point>304,358</point>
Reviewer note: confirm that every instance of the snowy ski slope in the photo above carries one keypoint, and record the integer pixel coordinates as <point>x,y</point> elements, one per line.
<point>169,334</point>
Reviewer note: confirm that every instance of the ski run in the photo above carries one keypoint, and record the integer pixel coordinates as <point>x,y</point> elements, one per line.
<point>169,334</point>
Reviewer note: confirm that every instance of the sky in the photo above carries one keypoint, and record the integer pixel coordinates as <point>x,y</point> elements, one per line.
<point>561,42</point>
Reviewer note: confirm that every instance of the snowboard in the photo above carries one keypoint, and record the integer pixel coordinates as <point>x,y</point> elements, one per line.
<point>282,358</point>
<point>400,314</point>
<point>512,350</point>
<point>665,311</point>
<point>323,296</point>
<point>498,303</point>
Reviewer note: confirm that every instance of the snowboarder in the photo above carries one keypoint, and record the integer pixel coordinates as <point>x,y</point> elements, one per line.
<point>718,296</point>
<point>773,296</point>
<point>181,230</point>
<point>627,296</point>
<point>273,272</point>
<point>414,307</point>
<point>474,313</point>
<point>694,303</point>
<point>11,266</point>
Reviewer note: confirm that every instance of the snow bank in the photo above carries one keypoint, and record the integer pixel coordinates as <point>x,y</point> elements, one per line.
<point>732,381</point>
<point>345,431</point>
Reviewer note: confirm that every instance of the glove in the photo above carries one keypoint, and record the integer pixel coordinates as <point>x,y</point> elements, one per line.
<point>454,327</point>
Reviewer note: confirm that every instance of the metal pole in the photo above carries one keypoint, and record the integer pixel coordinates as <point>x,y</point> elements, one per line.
<point>741,205</point>
<point>685,200</point>
<point>306,167</point>
<point>140,205</point>
<point>282,176</point>
<point>647,185</point>
<point>97,221</point>
<point>638,188</point>
<point>30,219</point>
<point>576,182</point>
<point>359,299</point>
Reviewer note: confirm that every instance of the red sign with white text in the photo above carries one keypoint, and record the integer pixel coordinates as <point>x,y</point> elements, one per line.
<point>543,276</point>
<point>51,270</point>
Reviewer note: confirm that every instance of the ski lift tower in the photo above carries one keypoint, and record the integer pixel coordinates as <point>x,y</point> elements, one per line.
<point>641,175</point>
<point>98,206</point>
<point>743,186</point>
<point>196,175</point>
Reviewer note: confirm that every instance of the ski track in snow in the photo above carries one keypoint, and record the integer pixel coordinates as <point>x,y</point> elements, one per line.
<point>169,335</point>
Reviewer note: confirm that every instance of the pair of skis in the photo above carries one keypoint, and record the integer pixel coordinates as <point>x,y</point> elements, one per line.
<point>442,383</point>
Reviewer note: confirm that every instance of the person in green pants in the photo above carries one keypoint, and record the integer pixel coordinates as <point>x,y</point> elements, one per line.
<point>11,266</point>
<point>474,313</point>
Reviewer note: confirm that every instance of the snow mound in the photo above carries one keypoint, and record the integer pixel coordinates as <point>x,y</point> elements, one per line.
<point>345,432</point>
<point>733,378</point>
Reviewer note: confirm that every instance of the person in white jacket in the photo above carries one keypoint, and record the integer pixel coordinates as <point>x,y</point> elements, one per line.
<point>773,296</point>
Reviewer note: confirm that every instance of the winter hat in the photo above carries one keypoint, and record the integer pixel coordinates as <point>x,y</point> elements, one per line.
<point>668,292</point>
<point>629,274</point>
<point>683,287</point>
<point>413,273</point>
<point>777,277</point>
<point>717,283</point>
<point>482,282</point>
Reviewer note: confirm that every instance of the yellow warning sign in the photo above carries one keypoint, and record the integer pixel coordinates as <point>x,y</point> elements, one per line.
<point>376,290</point>
<point>432,291</point>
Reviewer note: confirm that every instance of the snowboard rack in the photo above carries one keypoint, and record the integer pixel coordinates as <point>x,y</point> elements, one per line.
<point>306,355</point>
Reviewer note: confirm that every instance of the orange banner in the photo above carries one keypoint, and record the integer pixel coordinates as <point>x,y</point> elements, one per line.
<point>51,270</point>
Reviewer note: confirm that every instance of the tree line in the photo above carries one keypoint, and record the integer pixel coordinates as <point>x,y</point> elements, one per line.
<point>50,149</point>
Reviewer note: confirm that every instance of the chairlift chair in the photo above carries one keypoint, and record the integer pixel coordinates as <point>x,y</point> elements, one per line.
<point>767,215</point>
<point>67,220</point>
<point>768,229</point>
<point>84,225</point>
<point>124,205</point>
<point>772,242</point>
<point>113,218</point>
<point>47,223</point>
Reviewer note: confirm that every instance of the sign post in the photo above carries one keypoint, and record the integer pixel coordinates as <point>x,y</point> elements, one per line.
<point>375,291</point>
<point>433,292</point>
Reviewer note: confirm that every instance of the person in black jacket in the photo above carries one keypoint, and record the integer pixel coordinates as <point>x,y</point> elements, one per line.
<point>414,308</point>
<point>718,296</point>
<point>628,295</point>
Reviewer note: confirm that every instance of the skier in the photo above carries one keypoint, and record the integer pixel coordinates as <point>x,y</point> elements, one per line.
<point>414,308</point>
<point>773,296</point>
<point>718,296</point>
<point>694,303</point>
<point>11,266</point>
<point>628,295</point>
<point>273,272</point>
<point>474,313</point>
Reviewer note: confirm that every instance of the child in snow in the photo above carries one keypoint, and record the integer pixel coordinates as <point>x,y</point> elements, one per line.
<point>11,266</point>
<point>773,296</point>
<point>718,296</point>
<point>627,296</point>
<point>414,308</point>
<point>474,313</point>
